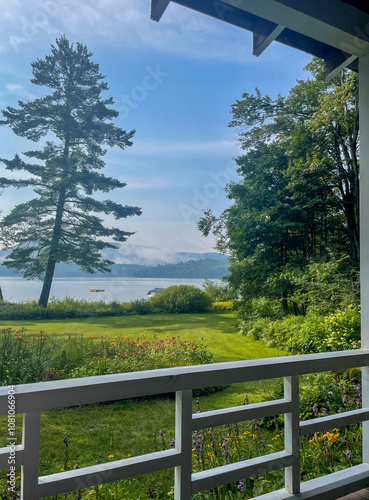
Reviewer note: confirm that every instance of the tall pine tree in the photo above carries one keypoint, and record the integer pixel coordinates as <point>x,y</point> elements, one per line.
<point>62,223</point>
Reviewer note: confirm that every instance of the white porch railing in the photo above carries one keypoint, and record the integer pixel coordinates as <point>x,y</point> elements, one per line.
<point>32,399</point>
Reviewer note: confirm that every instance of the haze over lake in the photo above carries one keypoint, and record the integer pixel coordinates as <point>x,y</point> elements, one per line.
<point>121,289</point>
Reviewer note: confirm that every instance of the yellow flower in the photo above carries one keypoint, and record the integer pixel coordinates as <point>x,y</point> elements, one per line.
<point>331,437</point>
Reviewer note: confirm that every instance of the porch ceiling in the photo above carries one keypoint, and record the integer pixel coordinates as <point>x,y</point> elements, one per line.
<point>334,30</point>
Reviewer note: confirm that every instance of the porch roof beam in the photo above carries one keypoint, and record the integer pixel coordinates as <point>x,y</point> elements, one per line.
<point>334,65</point>
<point>323,27</point>
<point>264,35</point>
<point>158,7</point>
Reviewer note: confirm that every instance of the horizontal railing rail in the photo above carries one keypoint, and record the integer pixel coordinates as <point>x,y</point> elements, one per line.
<point>32,399</point>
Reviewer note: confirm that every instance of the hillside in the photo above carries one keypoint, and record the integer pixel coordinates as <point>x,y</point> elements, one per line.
<point>202,268</point>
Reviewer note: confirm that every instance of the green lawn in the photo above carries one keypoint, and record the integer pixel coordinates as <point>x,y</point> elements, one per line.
<point>127,427</point>
<point>217,330</point>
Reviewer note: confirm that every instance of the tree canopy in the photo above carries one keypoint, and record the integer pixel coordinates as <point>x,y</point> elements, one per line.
<point>64,223</point>
<point>298,198</point>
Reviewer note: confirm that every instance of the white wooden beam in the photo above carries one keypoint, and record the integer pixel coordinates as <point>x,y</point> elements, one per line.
<point>236,414</point>
<point>262,39</point>
<point>183,443</point>
<point>229,473</point>
<point>364,231</point>
<point>332,67</point>
<point>292,435</point>
<point>158,7</point>
<point>300,22</point>
<point>332,421</point>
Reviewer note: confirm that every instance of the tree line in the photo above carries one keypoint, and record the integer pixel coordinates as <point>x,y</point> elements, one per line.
<point>297,202</point>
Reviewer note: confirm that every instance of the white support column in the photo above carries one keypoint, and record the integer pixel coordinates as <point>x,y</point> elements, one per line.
<point>31,444</point>
<point>182,477</point>
<point>292,434</point>
<point>364,232</point>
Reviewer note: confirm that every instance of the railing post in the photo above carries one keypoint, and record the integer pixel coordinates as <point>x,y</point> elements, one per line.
<point>31,444</point>
<point>183,440</point>
<point>364,232</point>
<point>292,434</point>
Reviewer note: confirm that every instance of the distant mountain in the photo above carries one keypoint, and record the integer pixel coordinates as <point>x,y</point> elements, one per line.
<point>189,265</point>
<point>202,268</point>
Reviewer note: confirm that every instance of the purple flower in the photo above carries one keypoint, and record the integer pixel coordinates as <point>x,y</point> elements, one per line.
<point>315,410</point>
<point>350,457</point>
<point>262,441</point>
<point>197,444</point>
<point>241,487</point>
<point>225,451</point>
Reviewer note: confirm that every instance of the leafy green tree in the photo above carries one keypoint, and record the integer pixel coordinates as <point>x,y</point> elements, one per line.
<point>62,224</point>
<point>297,200</point>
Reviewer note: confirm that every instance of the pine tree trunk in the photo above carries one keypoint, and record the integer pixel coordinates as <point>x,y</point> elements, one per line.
<point>50,268</point>
<point>54,246</point>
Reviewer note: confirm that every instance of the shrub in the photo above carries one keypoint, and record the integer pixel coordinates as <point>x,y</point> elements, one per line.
<point>181,299</point>
<point>226,305</point>
<point>219,292</point>
<point>312,333</point>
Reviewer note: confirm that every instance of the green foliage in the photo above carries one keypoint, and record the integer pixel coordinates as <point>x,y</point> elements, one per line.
<point>68,308</point>
<point>324,287</point>
<point>34,358</point>
<point>309,334</point>
<point>219,292</point>
<point>298,200</point>
<point>224,305</point>
<point>181,299</point>
<point>60,224</point>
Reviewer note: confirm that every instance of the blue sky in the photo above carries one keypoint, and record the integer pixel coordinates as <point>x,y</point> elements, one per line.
<point>173,82</point>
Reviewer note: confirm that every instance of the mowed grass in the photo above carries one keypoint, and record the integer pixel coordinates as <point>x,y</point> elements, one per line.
<point>127,428</point>
<point>218,331</point>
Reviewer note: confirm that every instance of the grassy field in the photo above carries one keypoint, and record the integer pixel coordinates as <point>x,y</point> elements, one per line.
<point>103,433</point>
<point>217,330</point>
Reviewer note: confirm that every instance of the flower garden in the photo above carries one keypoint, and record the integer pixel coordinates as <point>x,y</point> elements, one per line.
<point>86,435</point>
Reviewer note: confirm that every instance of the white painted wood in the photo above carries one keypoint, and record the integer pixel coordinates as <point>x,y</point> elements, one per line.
<point>261,42</point>
<point>72,392</point>
<point>295,20</point>
<point>182,380</point>
<point>76,479</point>
<point>332,421</point>
<point>183,443</point>
<point>336,70</point>
<point>31,445</point>
<point>364,232</point>
<point>240,470</point>
<point>4,455</point>
<point>158,7</point>
<point>240,413</point>
<point>292,434</point>
<point>328,487</point>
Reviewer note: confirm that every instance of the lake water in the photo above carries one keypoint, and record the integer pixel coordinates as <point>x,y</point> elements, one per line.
<point>121,289</point>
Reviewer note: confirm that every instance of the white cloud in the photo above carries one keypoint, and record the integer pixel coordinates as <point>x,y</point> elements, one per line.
<point>9,10</point>
<point>19,90</point>
<point>124,22</point>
